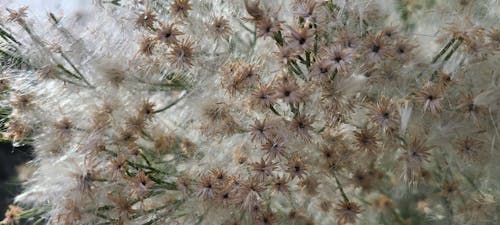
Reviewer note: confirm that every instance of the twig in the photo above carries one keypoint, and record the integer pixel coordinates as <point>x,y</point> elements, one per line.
<point>76,70</point>
<point>443,50</point>
<point>339,186</point>
<point>172,103</point>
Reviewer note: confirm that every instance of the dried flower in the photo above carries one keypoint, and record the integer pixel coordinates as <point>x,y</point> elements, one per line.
<point>147,46</point>
<point>296,167</point>
<point>263,97</point>
<point>304,8</point>
<point>71,214</point>
<point>300,38</point>
<point>280,185</point>
<point>390,32</point>
<point>168,34</point>
<point>469,148</point>
<point>253,9</point>
<point>286,53</point>
<point>470,109</point>
<point>118,166</point>
<point>226,196</point>
<point>17,16</point>
<point>267,26</point>
<point>274,147</point>
<point>444,81</point>
<point>180,8</point>
<point>12,215</point>
<point>135,124</point>
<point>261,131</point>
<point>430,97</point>
<point>181,55</point>
<point>321,69</point>
<point>384,115</point>
<point>263,169</point>
<point>221,177</point>
<point>310,185</point>
<point>123,206</point>
<point>250,195</point>
<point>267,218</point>
<point>339,57</point>
<point>206,187</point>
<point>22,102</point>
<point>366,140</point>
<point>376,48</point>
<point>415,155</point>
<point>363,179</point>
<point>348,39</point>
<point>301,127</point>
<point>403,50</point>
<point>270,125</point>
<point>17,130</point>
<point>347,212</point>
<point>147,110</point>
<point>187,146</point>
<point>141,184</point>
<point>290,93</point>
<point>64,127</point>
<point>146,19</point>
<point>220,28</point>
<point>126,137</point>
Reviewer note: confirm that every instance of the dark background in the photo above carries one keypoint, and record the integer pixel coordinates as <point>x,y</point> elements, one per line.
<point>10,186</point>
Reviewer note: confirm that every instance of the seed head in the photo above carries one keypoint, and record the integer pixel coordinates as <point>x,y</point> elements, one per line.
<point>180,8</point>
<point>168,34</point>
<point>220,28</point>
<point>301,126</point>
<point>181,55</point>
<point>296,167</point>
<point>430,97</point>
<point>384,115</point>
<point>366,140</point>
<point>146,19</point>
<point>347,212</point>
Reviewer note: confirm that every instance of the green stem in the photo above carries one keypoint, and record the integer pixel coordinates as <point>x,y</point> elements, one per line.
<point>448,56</point>
<point>455,47</point>
<point>171,104</point>
<point>339,186</point>
<point>278,38</point>
<point>334,74</point>
<point>66,71</point>
<point>254,40</point>
<point>145,158</point>
<point>443,50</point>
<point>6,36</point>
<point>274,110</point>
<point>74,68</point>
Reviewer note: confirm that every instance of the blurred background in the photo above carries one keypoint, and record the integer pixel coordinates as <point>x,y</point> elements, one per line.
<point>12,163</point>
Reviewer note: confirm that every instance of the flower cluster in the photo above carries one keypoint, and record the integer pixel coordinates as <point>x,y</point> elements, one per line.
<point>250,112</point>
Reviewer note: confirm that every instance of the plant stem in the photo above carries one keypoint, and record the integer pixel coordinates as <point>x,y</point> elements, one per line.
<point>274,110</point>
<point>339,186</point>
<point>76,70</point>
<point>171,104</point>
<point>443,50</point>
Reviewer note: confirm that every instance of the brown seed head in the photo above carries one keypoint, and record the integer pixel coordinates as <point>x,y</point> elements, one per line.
<point>180,8</point>
<point>347,212</point>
